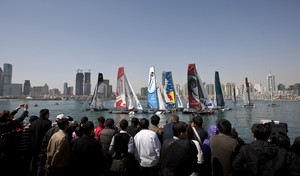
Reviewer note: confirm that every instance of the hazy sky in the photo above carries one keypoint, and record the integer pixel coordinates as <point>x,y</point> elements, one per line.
<point>47,41</point>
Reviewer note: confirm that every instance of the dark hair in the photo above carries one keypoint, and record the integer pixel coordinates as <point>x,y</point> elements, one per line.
<point>5,116</point>
<point>109,122</point>
<point>33,118</point>
<point>83,119</point>
<point>144,123</point>
<point>62,123</point>
<point>179,127</point>
<point>44,112</point>
<point>281,140</point>
<point>260,131</point>
<point>197,120</point>
<point>87,127</point>
<point>123,124</point>
<point>101,120</point>
<point>155,119</point>
<point>224,126</point>
<point>135,121</point>
<point>174,118</point>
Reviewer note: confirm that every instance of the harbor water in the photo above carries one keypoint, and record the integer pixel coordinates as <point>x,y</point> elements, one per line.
<point>241,118</point>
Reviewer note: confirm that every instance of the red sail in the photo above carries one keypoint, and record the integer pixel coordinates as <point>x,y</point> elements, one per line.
<point>193,89</point>
<point>120,92</point>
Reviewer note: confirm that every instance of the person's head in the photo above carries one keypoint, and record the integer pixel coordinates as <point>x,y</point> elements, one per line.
<point>63,123</point>
<point>88,128</point>
<point>134,121</point>
<point>101,120</point>
<point>5,116</point>
<point>212,131</point>
<point>281,140</point>
<point>260,131</point>
<point>123,124</point>
<point>33,118</point>
<point>44,113</point>
<point>180,130</point>
<point>197,120</point>
<point>84,119</point>
<point>174,118</point>
<point>109,123</point>
<point>224,126</point>
<point>155,120</point>
<point>144,123</point>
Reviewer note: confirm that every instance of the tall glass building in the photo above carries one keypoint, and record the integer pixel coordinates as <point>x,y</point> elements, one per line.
<point>79,83</point>
<point>271,83</point>
<point>7,77</point>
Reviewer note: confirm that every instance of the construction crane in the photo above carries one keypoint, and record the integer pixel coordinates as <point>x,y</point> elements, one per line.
<point>83,69</point>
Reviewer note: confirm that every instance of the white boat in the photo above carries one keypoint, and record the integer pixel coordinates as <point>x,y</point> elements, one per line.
<point>246,96</point>
<point>126,99</point>
<point>198,99</point>
<point>96,102</point>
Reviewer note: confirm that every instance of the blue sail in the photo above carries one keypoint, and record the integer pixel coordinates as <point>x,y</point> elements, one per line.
<point>152,90</point>
<point>170,89</point>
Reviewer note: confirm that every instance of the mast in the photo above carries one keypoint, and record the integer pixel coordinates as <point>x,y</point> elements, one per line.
<point>248,91</point>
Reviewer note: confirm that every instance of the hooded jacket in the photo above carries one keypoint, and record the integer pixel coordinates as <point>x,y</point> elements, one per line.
<point>261,159</point>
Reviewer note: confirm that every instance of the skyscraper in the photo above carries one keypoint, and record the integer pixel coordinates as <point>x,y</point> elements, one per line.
<point>87,83</point>
<point>65,88</point>
<point>1,82</point>
<point>271,83</point>
<point>79,83</point>
<point>27,87</point>
<point>108,88</point>
<point>7,77</point>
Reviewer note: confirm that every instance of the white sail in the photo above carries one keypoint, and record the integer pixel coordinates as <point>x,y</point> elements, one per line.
<point>165,96</point>
<point>178,99</point>
<point>205,98</point>
<point>161,102</point>
<point>132,98</point>
<point>245,96</point>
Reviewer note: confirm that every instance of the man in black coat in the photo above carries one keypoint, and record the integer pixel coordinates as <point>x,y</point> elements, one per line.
<point>86,154</point>
<point>38,130</point>
<point>260,157</point>
<point>178,155</point>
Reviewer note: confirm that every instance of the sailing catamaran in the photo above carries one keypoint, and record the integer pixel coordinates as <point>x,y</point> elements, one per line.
<point>173,96</point>
<point>246,95</point>
<point>155,100</point>
<point>96,102</point>
<point>126,99</point>
<point>272,100</point>
<point>219,98</point>
<point>233,95</point>
<point>198,99</point>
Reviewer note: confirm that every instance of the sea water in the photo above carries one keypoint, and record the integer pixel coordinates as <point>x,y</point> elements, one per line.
<point>241,118</point>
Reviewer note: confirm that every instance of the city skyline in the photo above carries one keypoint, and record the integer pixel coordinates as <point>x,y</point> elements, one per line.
<point>238,39</point>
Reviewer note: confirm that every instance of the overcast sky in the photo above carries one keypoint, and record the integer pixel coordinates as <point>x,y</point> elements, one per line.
<point>47,41</point>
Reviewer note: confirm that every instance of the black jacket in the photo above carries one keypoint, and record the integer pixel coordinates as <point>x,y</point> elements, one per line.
<point>38,130</point>
<point>261,159</point>
<point>86,156</point>
<point>178,157</point>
